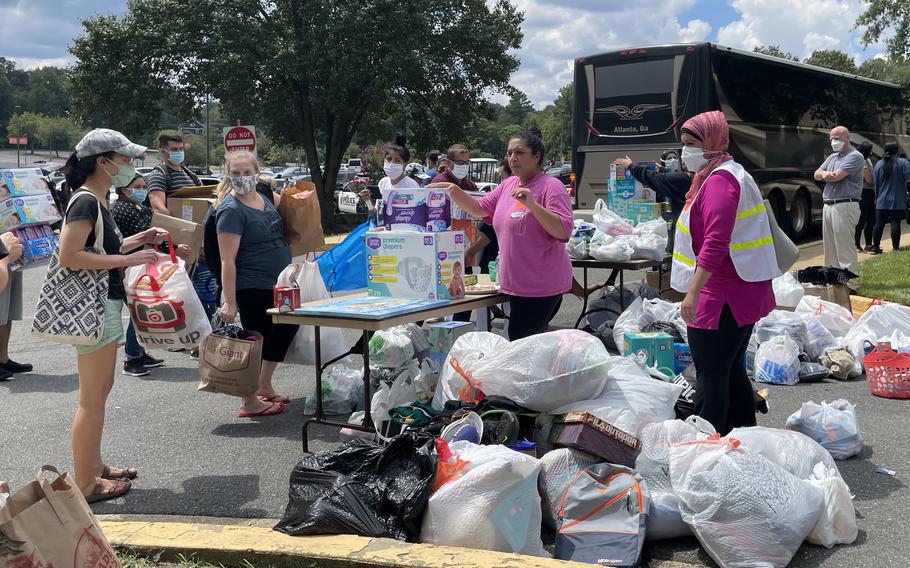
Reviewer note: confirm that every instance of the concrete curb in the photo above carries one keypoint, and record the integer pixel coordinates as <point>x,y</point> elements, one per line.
<point>232,541</point>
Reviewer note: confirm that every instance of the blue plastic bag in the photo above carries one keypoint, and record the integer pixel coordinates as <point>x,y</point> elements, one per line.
<point>344,266</point>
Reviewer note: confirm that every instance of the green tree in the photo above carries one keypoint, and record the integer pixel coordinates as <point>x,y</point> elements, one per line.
<point>876,68</point>
<point>57,132</point>
<point>26,124</point>
<point>308,73</point>
<point>555,123</point>
<point>775,51</point>
<point>48,91</point>
<point>832,59</point>
<point>888,20</point>
<point>518,109</point>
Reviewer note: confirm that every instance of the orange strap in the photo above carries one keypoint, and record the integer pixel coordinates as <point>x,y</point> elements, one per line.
<point>471,392</point>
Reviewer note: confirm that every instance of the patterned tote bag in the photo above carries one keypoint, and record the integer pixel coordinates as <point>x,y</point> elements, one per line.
<point>71,304</point>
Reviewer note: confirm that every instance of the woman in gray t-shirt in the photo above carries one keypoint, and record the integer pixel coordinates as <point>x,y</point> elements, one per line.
<point>253,253</point>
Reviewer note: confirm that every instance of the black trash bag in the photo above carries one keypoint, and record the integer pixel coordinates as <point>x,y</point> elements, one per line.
<point>602,313</point>
<point>363,488</point>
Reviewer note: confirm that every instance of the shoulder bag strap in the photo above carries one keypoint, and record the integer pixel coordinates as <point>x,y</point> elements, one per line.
<point>99,222</point>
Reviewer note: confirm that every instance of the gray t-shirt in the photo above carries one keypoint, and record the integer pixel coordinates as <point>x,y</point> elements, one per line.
<point>851,187</point>
<point>263,251</point>
<point>171,182</point>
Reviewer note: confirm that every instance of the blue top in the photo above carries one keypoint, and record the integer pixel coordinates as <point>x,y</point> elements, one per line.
<point>851,187</point>
<point>263,252</point>
<point>430,175</point>
<point>891,186</point>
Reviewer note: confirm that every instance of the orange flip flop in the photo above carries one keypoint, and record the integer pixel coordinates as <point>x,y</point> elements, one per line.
<point>271,410</point>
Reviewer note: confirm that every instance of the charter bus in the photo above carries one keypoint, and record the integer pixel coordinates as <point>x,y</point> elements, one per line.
<point>780,113</point>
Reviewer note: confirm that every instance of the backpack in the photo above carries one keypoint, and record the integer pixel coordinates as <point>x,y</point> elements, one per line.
<point>602,517</point>
<point>167,173</point>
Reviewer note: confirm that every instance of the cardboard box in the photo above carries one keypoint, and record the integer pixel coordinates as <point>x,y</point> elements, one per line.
<point>28,210</point>
<point>460,214</point>
<point>624,190</point>
<point>640,210</point>
<point>199,191</point>
<point>417,209</point>
<point>442,337</point>
<point>19,182</point>
<point>193,209</point>
<point>427,266</point>
<point>586,432</point>
<point>182,233</point>
<point>654,348</point>
<point>835,293</point>
<point>682,357</point>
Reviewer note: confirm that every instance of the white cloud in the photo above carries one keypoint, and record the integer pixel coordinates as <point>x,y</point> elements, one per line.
<point>35,62</point>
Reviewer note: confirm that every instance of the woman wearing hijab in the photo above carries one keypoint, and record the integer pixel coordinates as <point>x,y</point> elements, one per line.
<point>724,261</point>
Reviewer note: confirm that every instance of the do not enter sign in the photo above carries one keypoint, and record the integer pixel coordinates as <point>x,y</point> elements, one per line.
<point>240,138</point>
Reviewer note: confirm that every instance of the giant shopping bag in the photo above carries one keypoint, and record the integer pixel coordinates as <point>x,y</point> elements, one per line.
<point>344,266</point>
<point>164,307</point>
<point>302,350</point>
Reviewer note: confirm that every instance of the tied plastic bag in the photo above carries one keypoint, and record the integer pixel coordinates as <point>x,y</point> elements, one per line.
<point>362,488</point>
<point>889,322</point>
<point>342,391</point>
<point>819,338</point>
<point>612,249</point>
<point>557,469</point>
<point>777,361</point>
<point>609,222</point>
<point>302,350</point>
<point>745,510</point>
<point>787,291</point>
<point>836,319</point>
<point>628,322</point>
<point>646,312</point>
<point>780,322</point>
<point>650,240</point>
<point>833,425</point>
<point>578,244</point>
<point>391,348</point>
<point>837,523</point>
<point>492,505</point>
<point>468,349</point>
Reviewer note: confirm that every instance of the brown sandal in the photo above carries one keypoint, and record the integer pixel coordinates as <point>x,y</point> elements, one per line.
<point>114,490</point>
<point>125,473</point>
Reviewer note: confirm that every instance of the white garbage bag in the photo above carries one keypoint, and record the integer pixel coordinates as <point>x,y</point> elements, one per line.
<point>467,349</point>
<point>880,322</point>
<point>650,240</point>
<point>492,505</point>
<point>787,291</point>
<point>402,392</point>
<point>744,509</point>
<point>342,391</point>
<point>609,222</point>
<point>557,469</point>
<point>793,451</point>
<point>391,348</point>
<point>779,322</point>
<point>836,318</point>
<point>777,361</point>
<point>628,322</point>
<point>612,249</point>
<point>545,371</point>
<point>837,523</point>
<point>833,425</point>
<point>819,338</point>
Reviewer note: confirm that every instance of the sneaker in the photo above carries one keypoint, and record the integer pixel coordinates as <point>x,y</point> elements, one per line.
<point>14,367</point>
<point>869,248</point>
<point>876,251</point>
<point>150,362</point>
<point>134,369</point>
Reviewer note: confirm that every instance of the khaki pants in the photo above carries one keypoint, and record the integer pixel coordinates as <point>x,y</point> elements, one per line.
<point>838,229</point>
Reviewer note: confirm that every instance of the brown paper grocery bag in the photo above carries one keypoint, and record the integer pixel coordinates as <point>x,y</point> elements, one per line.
<point>230,366</point>
<point>49,524</point>
<point>299,209</point>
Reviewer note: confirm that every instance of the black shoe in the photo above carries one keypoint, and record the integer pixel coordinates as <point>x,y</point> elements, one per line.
<point>5,375</point>
<point>134,369</point>
<point>15,368</point>
<point>150,362</point>
<point>876,251</point>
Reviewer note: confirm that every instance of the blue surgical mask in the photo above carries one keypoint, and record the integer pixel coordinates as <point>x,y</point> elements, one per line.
<point>176,156</point>
<point>671,165</point>
<point>139,194</point>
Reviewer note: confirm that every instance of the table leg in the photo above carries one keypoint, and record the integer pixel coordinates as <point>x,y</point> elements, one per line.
<point>622,287</point>
<point>367,419</point>
<point>584,296</point>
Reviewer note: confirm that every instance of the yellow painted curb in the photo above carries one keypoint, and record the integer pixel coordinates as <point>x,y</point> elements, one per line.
<point>231,545</point>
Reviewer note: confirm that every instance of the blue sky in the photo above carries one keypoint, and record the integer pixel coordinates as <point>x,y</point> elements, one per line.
<point>556,31</point>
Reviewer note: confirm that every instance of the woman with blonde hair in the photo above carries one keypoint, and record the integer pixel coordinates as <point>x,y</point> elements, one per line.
<point>253,251</point>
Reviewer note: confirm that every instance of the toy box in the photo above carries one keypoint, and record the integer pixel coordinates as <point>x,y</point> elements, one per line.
<point>654,349</point>
<point>19,182</point>
<point>403,264</point>
<point>443,336</point>
<point>28,210</point>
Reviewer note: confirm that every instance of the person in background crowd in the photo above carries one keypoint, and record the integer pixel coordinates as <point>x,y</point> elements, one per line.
<point>891,176</point>
<point>724,261</point>
<point>170,175</point>
<point>10,302</point>
<point>103,158</point>
<point>532,217</point>
<point>133,217</point>
<point>432,161</point>
<point>397,156</point>
<point>412,170</point>
<point>455,167</point>
<point>669,181</point>
<point>842,172</point>
<point>253,253</point>
<point>866,202</point>
<point>504,170</point>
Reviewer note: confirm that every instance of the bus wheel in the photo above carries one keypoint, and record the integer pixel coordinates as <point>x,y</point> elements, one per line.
<point>798,220</point>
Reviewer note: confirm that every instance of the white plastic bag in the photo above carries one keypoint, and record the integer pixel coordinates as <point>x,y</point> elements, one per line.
<point>467,349</point>
<point>342,391</point>
<point>833,425</point>
<point>302,350</point>
<point>544,371</point>
<point>837,523</point>
<point>793,451</point>
<point>577,247</point>
<point>612,249</point>
<point>880,322</point>
<point>609,222</point>
<point>819,338</point>
<point>745,510</point>
<point>650,240</point>
<point>492,505</point>
<point>836,319</point>
<point>164,308</point>
<point>391,348</point>
<point>787,291</point>
<point>777,361</point>
<point>401,393</point>
<point>628,322</point>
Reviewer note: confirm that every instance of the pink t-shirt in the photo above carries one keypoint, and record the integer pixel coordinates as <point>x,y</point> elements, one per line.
<point>711,223</point>
<point>532,263</point>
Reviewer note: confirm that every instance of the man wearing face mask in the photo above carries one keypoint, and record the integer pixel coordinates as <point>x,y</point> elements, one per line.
<point>169,176</point>
<point>455,167</point>
<point>842,173</point>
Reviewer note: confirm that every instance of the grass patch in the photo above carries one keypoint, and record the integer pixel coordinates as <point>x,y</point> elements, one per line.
<point>886,277</point>
<point>129,559</point>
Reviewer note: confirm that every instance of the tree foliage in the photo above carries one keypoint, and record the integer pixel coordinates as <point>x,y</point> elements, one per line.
<point>887,20</point>
<point>832,59</point>
<point>53,132</point>
<point>775,51</point>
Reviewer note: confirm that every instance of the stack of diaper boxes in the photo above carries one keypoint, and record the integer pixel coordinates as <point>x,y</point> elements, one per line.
<point>28,209</point>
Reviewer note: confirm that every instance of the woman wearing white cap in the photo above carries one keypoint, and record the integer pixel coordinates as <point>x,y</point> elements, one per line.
<point>103,158</point>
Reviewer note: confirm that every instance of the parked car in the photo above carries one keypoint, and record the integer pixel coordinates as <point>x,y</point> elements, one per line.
<point>292,173</point>
<point>563,172</point>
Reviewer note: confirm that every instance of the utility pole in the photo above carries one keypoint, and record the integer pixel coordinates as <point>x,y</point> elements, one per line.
<point>18,136</point>
<point>207,136</point>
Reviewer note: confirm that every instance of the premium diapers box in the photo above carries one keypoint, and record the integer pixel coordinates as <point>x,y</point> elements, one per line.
<point>405,264</point>
<point>18,182</point>
<point>418,209</point>
<point>28,210</point>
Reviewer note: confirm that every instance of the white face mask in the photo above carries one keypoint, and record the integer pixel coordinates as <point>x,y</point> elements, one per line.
<point>394,171</point>
<point>693,158</point>
<point>837,145</point>
<point>242,185</point>
<point>460,171</point>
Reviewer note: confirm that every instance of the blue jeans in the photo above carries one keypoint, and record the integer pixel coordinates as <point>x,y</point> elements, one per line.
<point>132,348</point>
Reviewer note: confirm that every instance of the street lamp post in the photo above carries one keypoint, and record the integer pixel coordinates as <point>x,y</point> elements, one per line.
<point>18,137</point>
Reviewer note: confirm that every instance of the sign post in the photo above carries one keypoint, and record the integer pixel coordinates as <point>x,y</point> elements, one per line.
<point>240,138</point>
<point>17,140</point>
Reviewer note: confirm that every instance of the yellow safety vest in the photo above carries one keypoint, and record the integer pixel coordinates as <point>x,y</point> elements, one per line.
<point>751,244</point>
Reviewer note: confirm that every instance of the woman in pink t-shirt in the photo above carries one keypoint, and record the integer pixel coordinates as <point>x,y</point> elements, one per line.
<point>532,217</point>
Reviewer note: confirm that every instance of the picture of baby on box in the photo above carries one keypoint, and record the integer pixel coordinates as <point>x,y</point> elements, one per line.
<point>456,287</point>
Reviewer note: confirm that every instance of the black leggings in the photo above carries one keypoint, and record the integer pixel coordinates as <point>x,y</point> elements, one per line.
<point>723,392</point>
<point>866,218</point>
<point>276,338</point>
<point>894,216</point>
<point>530,316</point>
